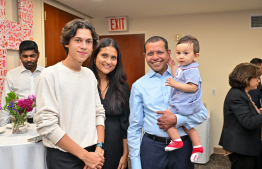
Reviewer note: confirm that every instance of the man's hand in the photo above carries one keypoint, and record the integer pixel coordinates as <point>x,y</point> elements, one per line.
<point>93,160</point>
<point>167,120</point>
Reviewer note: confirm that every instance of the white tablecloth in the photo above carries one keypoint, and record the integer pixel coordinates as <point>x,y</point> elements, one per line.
<point>17,152</point>
<point>206,139</point>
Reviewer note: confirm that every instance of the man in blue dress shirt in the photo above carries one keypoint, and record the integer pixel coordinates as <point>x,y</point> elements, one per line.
<point>149,96</point>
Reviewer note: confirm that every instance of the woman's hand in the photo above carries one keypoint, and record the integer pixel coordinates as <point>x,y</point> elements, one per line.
<point>122,162</point>
<point>260,110</point>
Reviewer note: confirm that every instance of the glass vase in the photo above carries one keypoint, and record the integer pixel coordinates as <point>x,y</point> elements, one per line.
<point>19,125</point>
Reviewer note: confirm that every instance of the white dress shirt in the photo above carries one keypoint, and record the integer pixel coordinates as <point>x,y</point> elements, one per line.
<point>23,82</point>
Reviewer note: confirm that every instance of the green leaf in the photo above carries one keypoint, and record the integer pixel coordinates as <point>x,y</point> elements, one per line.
<point>11,96</point>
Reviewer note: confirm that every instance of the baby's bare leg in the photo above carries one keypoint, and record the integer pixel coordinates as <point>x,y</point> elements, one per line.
<point>172,132</point>
<point>192,133</point>
<point>176,142</point>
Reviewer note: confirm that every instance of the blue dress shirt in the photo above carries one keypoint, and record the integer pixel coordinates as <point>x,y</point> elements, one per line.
<point>148,95</point>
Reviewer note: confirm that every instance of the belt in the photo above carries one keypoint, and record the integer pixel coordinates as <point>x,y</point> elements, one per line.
<point>163,139</point>
<point>30,120</point>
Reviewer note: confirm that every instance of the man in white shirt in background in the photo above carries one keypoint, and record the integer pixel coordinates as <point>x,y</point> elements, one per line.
<point>23,79</point>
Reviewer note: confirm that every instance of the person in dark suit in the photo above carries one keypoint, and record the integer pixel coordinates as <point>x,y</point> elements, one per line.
<point>256,94</point>
<point>241,133</point>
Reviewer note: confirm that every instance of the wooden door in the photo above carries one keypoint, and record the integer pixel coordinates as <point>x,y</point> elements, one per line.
<point>55,20</point>
<point>132,49</point>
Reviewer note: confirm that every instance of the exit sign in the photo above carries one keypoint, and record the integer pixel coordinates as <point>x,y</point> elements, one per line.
<point>117,24</point>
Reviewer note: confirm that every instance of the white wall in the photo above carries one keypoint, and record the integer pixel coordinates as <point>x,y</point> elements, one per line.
<point>225,40</point>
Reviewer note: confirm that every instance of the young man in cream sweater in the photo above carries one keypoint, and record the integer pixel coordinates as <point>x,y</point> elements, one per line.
<point>69,113</point>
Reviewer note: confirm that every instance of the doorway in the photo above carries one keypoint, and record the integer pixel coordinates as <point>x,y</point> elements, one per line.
<point>132,49</point>
<point>55,20</point>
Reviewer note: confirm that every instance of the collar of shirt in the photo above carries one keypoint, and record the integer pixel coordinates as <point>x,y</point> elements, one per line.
<point>153,73</point>
<point>192,65</point>
<point>23,69</point>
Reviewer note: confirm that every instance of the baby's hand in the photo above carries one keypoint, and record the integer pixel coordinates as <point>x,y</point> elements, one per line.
<point>260,110</point>
<point>171,62</point>
<point>170,82</point>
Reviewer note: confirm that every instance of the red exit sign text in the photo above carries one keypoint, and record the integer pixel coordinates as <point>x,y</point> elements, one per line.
<point>117,24</point>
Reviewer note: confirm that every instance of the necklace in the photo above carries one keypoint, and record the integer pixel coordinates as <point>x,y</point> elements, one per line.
<point>102,91</point>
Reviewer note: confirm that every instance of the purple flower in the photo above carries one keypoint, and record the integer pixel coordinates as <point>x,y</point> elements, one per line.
<point>11,105</point>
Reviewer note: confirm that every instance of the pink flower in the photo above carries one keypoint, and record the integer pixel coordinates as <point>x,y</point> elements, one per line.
<point>32,97</point>
<point>25,104</point>
<point>21,100</point>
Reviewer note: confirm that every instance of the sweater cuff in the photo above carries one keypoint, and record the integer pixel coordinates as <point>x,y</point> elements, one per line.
<point>100,121</point>
<point>57,134</point>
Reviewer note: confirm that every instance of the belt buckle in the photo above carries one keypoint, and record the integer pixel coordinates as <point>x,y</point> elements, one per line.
<point>167,142</point>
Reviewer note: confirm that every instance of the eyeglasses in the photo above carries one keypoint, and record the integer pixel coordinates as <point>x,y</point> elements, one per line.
<point>158,53</point>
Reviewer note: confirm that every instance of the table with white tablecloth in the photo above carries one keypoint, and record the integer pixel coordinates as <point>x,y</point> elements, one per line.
<point>206,139</point>
<point>17,152</point>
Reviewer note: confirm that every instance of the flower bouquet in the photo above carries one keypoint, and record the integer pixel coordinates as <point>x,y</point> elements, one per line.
<point>19,108</point>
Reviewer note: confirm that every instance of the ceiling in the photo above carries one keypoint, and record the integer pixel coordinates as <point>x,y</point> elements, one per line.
<point>152,8</point>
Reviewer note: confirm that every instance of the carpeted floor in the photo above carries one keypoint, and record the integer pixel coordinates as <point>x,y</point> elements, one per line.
<point>217,161</point>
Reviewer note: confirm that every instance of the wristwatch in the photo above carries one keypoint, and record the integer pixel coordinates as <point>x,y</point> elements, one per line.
<point>102,145</point>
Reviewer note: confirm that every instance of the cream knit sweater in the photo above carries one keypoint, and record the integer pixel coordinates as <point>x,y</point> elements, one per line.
<point>68,102</point>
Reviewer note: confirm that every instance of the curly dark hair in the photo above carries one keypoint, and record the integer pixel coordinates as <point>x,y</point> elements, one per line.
<point>70,29</point>
<point>242,74</point>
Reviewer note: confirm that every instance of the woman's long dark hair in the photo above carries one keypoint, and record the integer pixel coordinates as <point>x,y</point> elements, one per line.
<point>117,77</point>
